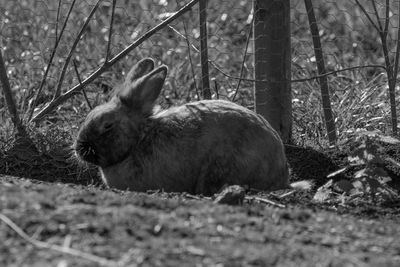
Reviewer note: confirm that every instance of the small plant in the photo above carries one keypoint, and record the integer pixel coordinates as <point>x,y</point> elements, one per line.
<point>369,180</point>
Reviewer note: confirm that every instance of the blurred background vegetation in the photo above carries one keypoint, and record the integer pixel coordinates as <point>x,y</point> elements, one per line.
<point>359,96</point>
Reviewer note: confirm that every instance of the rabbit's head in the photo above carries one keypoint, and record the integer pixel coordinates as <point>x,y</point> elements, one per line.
<point>112,129</point>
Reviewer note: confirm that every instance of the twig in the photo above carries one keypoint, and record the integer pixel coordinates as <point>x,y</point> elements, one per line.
<point>378,19</point>
<point>71,51</point>
<point>189,53</point>
<point>110,30</point>
<point>219,69</point>
<point>184,37</point>
<point>287,194</point>
<point>57,21</point>
<point>56,102</point>
<point>191,62</point>
<point>193,196</point>
<point>367,15</point>
<point>152,31</point>
<point>80,82</point>
<point>216,87</point>
<point>296,80</point>
<point>338,71</point>
<point>53,52</point>
<point>205,81</point>
<point>244,59</point>
<point>389,69</point>
<point>266,201</point>
<point>61,249</point>
<point>66,20</point>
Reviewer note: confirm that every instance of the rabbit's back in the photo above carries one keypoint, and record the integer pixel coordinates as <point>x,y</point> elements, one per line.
<point>201,146</point>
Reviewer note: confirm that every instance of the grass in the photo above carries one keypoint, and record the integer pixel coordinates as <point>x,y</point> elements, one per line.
<point>359,97</point>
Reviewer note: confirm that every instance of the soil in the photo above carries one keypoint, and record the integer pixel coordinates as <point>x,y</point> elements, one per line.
<point>72,224</point>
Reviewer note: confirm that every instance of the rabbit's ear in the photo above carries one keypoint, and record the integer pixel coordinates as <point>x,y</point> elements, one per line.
<point>141,68</point>
<point>142,93</point>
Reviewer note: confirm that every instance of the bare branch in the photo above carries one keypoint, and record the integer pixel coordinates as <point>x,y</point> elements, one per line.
<point>53,52</point>
<point>390,73</point>
<point>110,30</point>
<point>266,201</point>
<point>244,59</point>
<point>219,69</point>
<point>152,31</point>
<point>296,80</point>
<point>287,194</point>
<point>66,20</point>
<point>338,71</point>
<point>184,37</point>
<point>378,19</point>
<point>389,69</point>
<point>80,82</point>
<point>190,60</point>
<point>61,249</point>
<point>216,87</point>
<point>71,51</point>
<point>368,16</point>
<point>57,21</point>
<point>57,101</point>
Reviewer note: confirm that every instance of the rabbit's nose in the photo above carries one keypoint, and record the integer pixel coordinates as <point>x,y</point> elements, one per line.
<point>86,151</point>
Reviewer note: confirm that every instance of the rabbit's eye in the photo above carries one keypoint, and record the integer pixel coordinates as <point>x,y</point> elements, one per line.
<point>108,126</point>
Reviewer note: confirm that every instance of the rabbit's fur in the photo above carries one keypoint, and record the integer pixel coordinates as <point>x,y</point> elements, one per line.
<point>195,148</point>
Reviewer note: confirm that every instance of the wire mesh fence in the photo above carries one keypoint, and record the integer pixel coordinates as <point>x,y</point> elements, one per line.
<point>359,96</point>
<point>30,31</point>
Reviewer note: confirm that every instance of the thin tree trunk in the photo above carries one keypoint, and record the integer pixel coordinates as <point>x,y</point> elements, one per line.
<point>272,53</point>
<point>204,50</point>
<point>323,81</point>
<point>12,108</point>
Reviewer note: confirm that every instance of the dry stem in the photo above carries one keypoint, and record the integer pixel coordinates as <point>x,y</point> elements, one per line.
<point>266,201</point>
<point>107,64</point>
<point>61,249</point>
<point>71,51</point>
<point>53,52</point>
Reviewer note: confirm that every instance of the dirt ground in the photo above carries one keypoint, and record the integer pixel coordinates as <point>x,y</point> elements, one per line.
<point>68,224</point>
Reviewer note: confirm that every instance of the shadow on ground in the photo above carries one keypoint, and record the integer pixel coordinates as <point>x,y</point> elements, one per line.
<point>115,228</point>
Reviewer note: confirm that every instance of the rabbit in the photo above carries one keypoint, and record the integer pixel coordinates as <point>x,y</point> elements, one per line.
<point>196,148</point>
